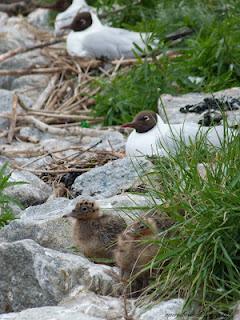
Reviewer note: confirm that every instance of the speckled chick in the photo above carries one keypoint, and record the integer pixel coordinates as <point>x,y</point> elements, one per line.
<point>133,251</point>
<point>95,233</point>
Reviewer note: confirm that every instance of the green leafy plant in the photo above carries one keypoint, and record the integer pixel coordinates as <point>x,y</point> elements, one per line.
<point>211,53</point>
<point>199,261</point>
<point>6,214</point>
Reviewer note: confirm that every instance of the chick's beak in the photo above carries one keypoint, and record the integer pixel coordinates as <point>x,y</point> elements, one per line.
<point>69,215</point>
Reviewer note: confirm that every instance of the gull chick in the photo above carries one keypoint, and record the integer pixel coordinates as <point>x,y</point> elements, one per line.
<point>95,233</point>
<point>151,136</point>
<point>134,252</point>
<point>89,38</point>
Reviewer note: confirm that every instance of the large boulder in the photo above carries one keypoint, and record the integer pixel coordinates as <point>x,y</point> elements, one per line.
<point>15,33</point>
<point>33,276</point>
<point>43,224</point>
<point>172,105</point>
<point>39,18</point>
<point>89,306</point>
<point>111,179</point>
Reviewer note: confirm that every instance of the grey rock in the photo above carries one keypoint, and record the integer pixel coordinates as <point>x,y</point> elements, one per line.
<point>3,19</point>
<point>127,205</point>
<point>18,33</point>
<point>97,306</point>
<point>35,191</point>
<point>44,224</point>
<point>30,85</point>
<point>86,305</point>
<point>236,313</point>
<point>33,276</point>
<point>26,60</point>
<point>111,141</point>
<point>172,105</point>
<point>6,101</point>
<point>39,18</point>
<point>30,134</point>
<point>48,313</point>
<point>162,311</point>
<point>110,179</point>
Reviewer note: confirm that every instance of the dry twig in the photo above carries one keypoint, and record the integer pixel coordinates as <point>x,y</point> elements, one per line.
<point>14,52</point>
<point>13,119</point>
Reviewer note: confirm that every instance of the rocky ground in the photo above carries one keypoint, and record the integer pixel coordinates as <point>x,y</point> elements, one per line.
<point>41,276</point>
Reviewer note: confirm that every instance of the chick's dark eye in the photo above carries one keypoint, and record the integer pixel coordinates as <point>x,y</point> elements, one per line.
<point>84,209</point>
<point>142,226</point>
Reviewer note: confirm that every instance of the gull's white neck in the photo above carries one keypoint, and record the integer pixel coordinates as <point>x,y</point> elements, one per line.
<point>79,3</point>
<point>159,120</point>
<point>96,23</point>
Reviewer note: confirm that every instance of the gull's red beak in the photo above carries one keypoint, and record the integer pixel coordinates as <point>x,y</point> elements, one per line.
<point>129,125</point>
<point>66,27</point>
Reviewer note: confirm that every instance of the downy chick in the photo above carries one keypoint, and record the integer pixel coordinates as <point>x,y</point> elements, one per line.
<point>95,233</point>
<point>133,252</point>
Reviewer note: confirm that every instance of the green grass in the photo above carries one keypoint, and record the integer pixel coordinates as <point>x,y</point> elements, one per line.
<point>201,258</point>
<point>212,53</point>
<point>6,214</point>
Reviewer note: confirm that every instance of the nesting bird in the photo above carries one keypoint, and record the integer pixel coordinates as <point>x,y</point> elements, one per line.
<point>134,252</point>
<point>89,38</point>
<point>151,136</point>
<point>66,17</point>
<point>95,233</point>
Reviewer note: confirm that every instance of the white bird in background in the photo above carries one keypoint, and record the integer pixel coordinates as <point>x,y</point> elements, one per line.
<point>151,136</point>
<point>65,18</point>
<point>89,38</point>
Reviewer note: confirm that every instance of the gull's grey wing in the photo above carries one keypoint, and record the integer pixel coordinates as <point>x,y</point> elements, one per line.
<point>111,44</point>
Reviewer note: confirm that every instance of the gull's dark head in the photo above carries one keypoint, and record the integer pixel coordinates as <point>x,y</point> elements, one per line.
<point>84,210</point>
<point>82,21</point>
<point>143,122</point>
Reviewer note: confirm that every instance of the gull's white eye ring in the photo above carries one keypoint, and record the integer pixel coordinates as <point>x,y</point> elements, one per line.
<point>146,118</point>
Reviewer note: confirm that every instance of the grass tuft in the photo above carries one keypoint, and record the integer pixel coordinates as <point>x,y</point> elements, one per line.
<point>201,255</point>
<point>6,214</point>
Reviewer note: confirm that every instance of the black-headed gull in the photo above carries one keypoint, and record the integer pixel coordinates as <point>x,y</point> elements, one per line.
<point>89,38</point>
<point>151,136</point>
<point>65,18</point>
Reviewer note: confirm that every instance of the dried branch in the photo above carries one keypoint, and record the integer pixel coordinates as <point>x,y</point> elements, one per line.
<point>14,52</point>
<point>46,93</point>
<point>62,132</point>
<point>22,72</point>
<point>13,119</point>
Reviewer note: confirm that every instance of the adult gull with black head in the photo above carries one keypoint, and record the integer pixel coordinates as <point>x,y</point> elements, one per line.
<point>89,38</point>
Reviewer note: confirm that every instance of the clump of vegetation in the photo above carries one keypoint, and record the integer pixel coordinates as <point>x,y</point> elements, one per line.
<point>126,100</point>
<point>199,261</point>
<point>211,54</point>
<point>6,214</point>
